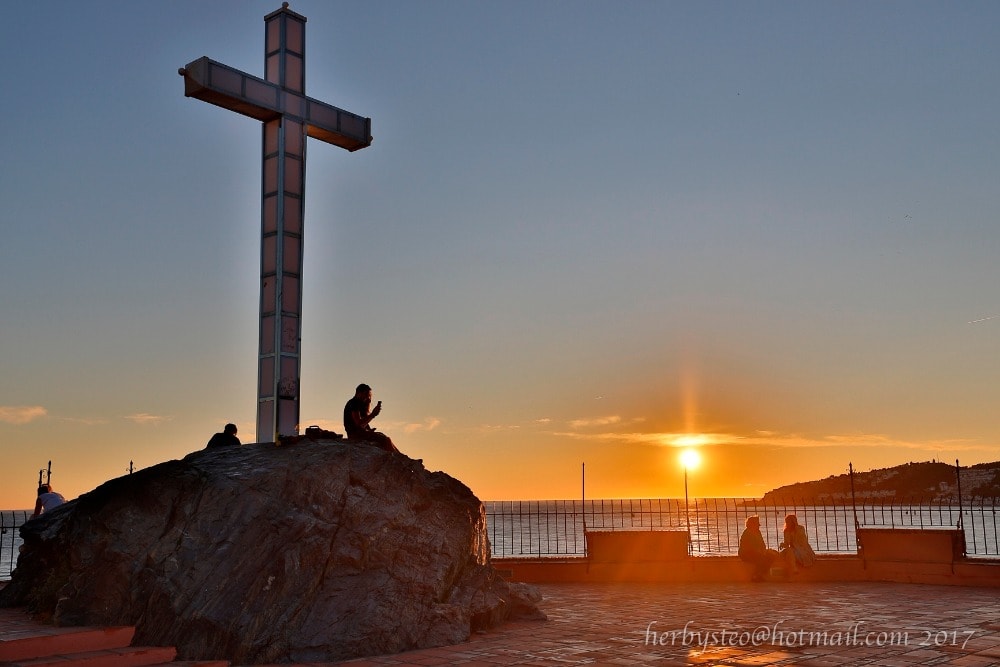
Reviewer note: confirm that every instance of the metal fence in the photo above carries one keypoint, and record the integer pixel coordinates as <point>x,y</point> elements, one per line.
<point>555,528</point>
<point>10,541</point>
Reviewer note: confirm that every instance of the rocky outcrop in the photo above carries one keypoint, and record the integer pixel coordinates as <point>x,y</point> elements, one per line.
<point>308,552</point>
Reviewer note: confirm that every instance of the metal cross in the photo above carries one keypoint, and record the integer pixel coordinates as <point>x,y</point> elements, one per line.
<point>288,116</point>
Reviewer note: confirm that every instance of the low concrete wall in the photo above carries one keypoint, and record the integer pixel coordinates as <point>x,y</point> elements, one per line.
<point>908,555</point>
<point>927,556</point>
<point>705,569</point>
<point>700,569</point>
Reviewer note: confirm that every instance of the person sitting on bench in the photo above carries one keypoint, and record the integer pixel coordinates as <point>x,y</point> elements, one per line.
<point>754,550</point>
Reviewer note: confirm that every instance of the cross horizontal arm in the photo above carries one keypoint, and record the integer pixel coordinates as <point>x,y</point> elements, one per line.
<point>229,88</point>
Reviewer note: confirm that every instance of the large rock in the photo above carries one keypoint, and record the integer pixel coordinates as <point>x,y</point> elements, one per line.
<point>314,551</point>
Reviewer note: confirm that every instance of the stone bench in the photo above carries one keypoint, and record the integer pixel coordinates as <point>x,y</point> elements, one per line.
<point>912,545</point>
<point>636,546</point>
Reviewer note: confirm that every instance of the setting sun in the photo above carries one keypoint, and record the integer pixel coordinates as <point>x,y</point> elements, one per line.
<point>690,459</point>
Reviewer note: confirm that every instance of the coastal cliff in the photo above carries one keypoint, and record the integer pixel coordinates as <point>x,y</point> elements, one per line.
<point>925,481</point>
<point>309,552</point>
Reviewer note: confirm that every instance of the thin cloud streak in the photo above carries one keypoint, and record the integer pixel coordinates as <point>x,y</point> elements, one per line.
<point>494,428</point>
<point>146,419</point>
<point>595,421</point>
<point>773,439</point>
<point>83,421</point>
<point>429,424</point>
<point>21,414</point>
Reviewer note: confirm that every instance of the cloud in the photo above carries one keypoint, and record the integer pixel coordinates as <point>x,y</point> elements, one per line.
<point>84,421</point>
<point>429,424</point>
<point>662,439</point>
<point>21,414</point>
<point>880,440</point>
<point>775,439</point>
<point>595,421</point>
<point>146,419</point>
<point>494,428</point>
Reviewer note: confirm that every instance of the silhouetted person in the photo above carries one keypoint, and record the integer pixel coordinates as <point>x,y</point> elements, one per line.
<point>225,439</point>
<point>796,549</point>
<point>47,500</point>
<point>358,417</point>
<point>754,550</point>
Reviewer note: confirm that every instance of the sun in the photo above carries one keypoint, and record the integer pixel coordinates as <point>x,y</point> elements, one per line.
<point>690,458</point>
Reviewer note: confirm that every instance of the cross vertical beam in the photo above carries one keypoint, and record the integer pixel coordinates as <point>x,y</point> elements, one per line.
<point>282,208</point>
<point>288,117</point>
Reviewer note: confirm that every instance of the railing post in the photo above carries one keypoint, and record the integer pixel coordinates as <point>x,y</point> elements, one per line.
<point>854,502</point>
<point>961,523</point>
<point>958,480</point>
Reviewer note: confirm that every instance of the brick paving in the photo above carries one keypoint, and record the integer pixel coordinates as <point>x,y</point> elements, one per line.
<point>786,623</point>
<point>811,624</point>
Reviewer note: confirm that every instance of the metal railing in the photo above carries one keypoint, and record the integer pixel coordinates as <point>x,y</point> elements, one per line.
<point>552,528</point>
<point>10,541</point>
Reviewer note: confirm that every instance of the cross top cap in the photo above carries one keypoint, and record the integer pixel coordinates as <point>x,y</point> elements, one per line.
<point>285,10</point>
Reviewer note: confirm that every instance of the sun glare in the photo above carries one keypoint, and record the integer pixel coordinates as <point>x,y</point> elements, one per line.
<point>690,459</point>
<point>690,440</point>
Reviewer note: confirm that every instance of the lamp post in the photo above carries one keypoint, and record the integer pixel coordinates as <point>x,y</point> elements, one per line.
<point>689,459</point>
<point>687,512</point>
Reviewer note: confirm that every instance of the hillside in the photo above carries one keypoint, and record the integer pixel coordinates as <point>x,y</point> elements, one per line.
<point>925,481</point>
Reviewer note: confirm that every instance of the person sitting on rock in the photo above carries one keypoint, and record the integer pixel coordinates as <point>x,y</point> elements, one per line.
<point>754,550</point>
<point>225,439</point>
<point>358,416</point>
<point>47,500</point>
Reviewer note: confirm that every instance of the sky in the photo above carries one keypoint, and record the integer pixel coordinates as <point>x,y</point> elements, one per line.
<point>587,235</point>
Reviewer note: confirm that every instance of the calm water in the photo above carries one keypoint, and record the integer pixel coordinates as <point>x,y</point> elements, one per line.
<point>10,541</point>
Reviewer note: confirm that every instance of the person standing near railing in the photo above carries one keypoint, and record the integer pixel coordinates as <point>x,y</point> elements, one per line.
<point>47,500</point>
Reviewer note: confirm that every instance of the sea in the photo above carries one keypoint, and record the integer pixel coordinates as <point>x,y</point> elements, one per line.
<point>10,540</point>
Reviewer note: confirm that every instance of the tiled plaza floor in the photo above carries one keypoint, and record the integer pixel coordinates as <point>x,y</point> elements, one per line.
<point>739,624</point>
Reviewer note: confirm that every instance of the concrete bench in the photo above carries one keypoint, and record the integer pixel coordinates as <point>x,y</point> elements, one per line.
<point>636,546</point>
<point>912,545</point>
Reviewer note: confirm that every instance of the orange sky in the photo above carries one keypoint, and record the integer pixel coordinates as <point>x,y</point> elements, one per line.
<point>582,233</point>
<point>534,459</point>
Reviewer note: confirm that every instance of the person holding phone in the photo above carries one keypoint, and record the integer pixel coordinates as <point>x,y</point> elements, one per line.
<point>358,415</point>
